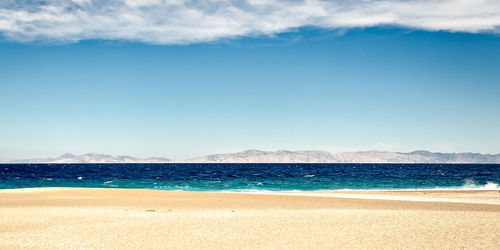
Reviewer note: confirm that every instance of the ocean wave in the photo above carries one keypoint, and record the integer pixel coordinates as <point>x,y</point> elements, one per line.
<point>471,185</point>
<point>468,185</point>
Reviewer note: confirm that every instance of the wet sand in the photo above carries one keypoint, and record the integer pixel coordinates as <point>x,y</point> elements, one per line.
<point>69,218</point>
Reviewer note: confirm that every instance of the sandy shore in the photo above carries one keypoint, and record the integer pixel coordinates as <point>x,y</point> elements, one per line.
<point>69,218</point>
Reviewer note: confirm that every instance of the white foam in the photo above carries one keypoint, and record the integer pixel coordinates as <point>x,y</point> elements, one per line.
<point>376,197</point>
<point>468,185</point>
<point>471,185</point>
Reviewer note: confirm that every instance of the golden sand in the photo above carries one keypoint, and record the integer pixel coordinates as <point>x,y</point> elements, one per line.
<point>77,218</point>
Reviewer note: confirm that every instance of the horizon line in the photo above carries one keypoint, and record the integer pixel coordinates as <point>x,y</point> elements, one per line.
<point>6,160</point>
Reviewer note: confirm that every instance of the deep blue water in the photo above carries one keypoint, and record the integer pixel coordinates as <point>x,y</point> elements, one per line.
<point>246,177</point>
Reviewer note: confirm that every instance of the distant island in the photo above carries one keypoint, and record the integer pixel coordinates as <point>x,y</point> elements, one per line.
<point>284,156</point>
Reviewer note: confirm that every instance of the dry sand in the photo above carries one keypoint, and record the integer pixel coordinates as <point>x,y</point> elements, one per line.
<point>75,218</point>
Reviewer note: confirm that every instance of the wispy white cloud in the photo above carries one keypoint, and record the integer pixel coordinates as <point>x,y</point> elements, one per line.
<point>187,21</point>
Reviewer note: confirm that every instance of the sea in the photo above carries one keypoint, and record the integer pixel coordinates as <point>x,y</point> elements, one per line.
<point>254,177</point>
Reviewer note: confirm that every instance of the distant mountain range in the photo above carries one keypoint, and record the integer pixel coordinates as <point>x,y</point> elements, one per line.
<point>93,158</point>
<point>315,156</point>
<point>285,156</point>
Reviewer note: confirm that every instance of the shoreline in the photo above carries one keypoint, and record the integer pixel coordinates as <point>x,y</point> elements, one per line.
<point>413,195</point>
<point>110,218</point>
<point>430,190</point>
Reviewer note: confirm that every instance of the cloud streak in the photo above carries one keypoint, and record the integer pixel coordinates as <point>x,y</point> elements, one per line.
<point>184,21</point>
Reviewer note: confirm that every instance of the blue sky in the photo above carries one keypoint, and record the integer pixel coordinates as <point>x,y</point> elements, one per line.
<point>382,87</point>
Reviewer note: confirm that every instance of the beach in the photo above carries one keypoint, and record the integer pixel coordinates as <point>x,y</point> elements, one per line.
<point>83,218</point>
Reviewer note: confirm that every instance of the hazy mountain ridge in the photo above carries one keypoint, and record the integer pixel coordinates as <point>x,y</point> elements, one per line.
<point>285,156</point>
<point>257,156</point>
<point>374,156</point>
<point>94,158</point>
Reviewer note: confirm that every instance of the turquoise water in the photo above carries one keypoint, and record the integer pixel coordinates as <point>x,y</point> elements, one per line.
<point>253,177</point>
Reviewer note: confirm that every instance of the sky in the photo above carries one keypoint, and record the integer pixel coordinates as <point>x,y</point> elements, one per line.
<point>181,79</point>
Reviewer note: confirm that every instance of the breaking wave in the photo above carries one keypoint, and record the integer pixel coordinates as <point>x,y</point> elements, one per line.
<point>471,185</point>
